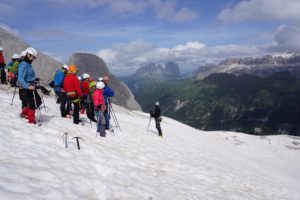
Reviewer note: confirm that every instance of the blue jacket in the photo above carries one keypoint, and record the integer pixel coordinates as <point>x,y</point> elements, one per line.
<point>26,75</point>
<point>59,80</point>
<point>108,92</point>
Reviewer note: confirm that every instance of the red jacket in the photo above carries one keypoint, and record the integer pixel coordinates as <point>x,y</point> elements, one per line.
<point>98,98</point>
<point>2,60</point>
<point>72,84</point>
<point>85,87</point>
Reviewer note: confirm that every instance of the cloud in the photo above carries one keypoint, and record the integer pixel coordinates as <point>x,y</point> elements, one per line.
<point>166,10</point>
<point>286,39</point>
<point>131,56</point>
<point>262,10</point>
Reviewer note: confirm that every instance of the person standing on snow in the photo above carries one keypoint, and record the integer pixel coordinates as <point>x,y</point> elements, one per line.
<point>108,92</point>
<point>31,100</point>
<point>157,116</point>
<point>2,67</point>
<point>99,104</point>
<point>13,70</point>
<point>60,92</point>
<point>73,91</point>
<point>88,101</point>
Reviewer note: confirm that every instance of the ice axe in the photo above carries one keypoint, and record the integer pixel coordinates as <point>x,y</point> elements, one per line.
<point>77,140</point>
<point>65,139</point>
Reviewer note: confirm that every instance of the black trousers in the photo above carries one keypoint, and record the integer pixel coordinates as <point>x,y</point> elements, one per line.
<point>30,98</point>
<point>64,107</point>
<point>76,112</point>
<point>157,125</point>
<point>3,76</point>
<point>90,110</point>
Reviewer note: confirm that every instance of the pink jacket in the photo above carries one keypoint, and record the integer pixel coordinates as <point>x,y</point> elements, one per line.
<point>98,98</point>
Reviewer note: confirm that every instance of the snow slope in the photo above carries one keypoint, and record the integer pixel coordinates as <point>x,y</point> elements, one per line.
<point>137,164</point>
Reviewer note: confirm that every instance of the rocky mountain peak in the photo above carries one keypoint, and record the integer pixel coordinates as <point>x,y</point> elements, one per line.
<point>171,69</point>
<point>96,67</point>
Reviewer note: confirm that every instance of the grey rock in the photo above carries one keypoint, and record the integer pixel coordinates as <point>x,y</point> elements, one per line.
<point>172,70</point>
<point>261,66</point>
<point>157,70</point>
<point>96,67</point>
<point>44,65</point>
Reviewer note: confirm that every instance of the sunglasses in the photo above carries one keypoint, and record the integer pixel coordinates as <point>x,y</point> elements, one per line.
<point>32,57</point>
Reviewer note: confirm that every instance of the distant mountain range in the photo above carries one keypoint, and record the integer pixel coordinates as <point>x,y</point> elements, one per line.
<point>261,66</point>
<point>245,103</point>
<point>171,69</point>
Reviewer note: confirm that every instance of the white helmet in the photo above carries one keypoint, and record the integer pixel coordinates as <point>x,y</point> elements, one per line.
<point>85,76</point>
<point>65,67</point>
<point>1,49</point>
<point>15,56</point>
<point>157,103</point>
<point>100,85</point>
<point>23,53</point>
<point>31,51</point>
<point>79,78</point>
<point>100,78</point>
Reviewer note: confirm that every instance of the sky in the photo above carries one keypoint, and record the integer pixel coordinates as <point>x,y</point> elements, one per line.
<point>135,163</point>
<point>128,34</point>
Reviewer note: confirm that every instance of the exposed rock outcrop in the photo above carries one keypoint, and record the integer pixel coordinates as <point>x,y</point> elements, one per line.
<point>44,65</point>
<point>261,66</point>
<point>156,70</point>
<point>96,67</point>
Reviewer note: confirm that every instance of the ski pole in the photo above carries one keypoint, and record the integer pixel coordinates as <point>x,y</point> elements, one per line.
<point>43,102</point>
<point>89,109</point>
<point>39,111</point>
<point>114,116</point>
<point>12,101</point>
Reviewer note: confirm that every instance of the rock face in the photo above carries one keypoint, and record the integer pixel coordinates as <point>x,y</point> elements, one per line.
<point>262,66</point>
<point>150,70</point>
<point>156,70</point>
<point>265,60</point>
<point>96,67</point>
<point>44,65</point>
<point>172,70</point>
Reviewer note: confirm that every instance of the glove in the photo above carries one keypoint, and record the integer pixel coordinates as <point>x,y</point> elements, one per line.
<point>101,107</point>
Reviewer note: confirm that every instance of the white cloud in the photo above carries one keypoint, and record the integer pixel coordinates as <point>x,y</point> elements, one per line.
<point>286,39</point>
<point>166,10</point>
<point>108,55</point>
<point>262,10</point>
<point>190,55</point>
<point>190,45</point>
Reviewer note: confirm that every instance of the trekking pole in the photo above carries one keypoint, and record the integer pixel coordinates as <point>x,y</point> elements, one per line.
<point>43,102</point>
<point>39,111</point>
<point>149,123</point>
<point>114,116</point>
<point>90,110</point>
<point>12,101</point>
<point>38,86</point>
<point>98,121</point>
